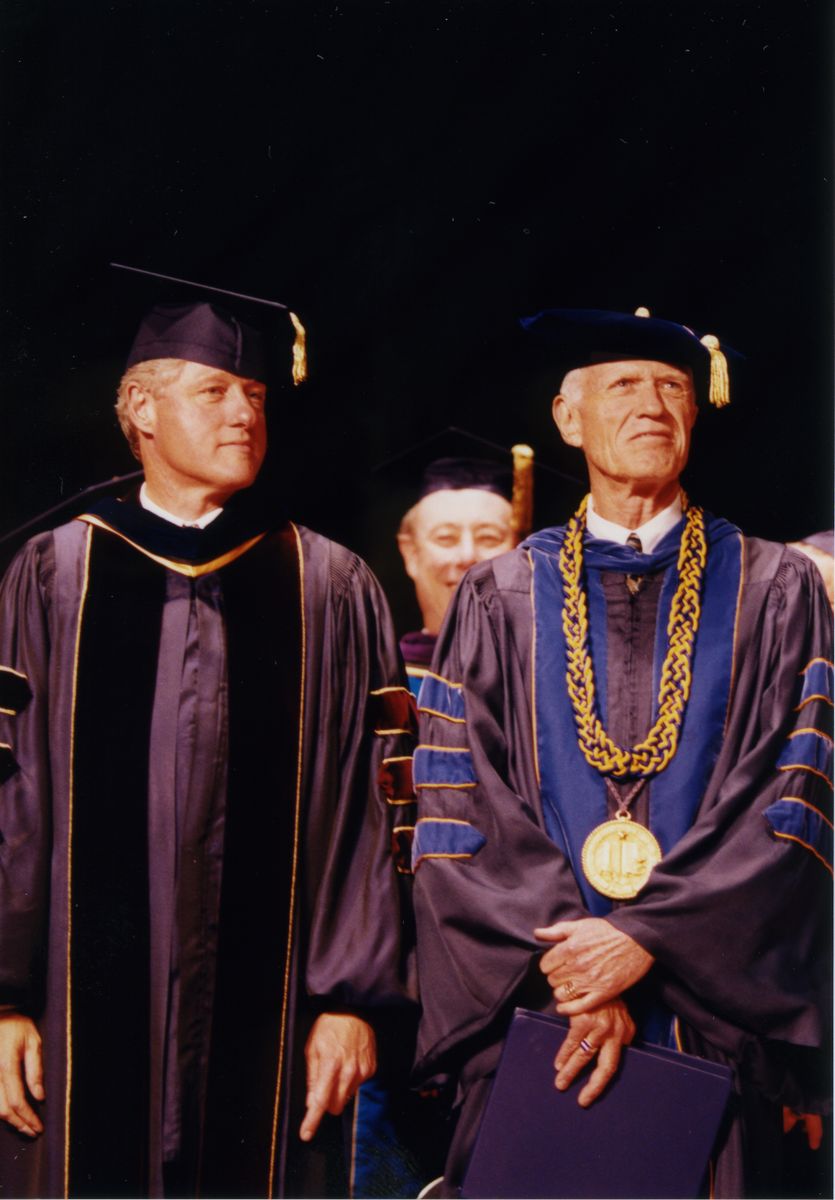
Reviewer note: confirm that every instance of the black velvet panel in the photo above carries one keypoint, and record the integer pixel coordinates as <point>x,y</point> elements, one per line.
<point>110,937</point>
<point>262,603</point>
<point>242,518</point>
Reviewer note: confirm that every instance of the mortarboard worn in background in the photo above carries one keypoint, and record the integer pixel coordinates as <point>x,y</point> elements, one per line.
<point>456,456</point>
<point>414,178</point>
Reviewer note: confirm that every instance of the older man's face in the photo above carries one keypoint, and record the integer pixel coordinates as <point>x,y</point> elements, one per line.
<point>631,419</point>
<point>446,533</point>
<point>208,430</point>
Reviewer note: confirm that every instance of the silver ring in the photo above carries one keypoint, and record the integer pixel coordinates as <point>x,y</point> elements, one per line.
<point>586,1046</point>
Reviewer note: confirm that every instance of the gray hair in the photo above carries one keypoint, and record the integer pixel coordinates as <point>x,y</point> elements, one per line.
<point>154,376</point>
<point>573,386</point>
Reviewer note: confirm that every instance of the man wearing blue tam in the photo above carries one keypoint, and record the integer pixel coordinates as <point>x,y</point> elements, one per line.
<point>200,918</point>
<point>627,759</point>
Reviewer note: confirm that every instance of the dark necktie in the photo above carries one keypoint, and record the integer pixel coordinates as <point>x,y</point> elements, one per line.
<point>634,582</point>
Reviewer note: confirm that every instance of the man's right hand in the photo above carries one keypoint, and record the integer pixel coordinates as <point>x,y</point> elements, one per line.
<point>599,1035</point>
<point>20,1062</point>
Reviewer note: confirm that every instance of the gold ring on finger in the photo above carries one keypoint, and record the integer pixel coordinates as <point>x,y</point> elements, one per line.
<point>569,987</point>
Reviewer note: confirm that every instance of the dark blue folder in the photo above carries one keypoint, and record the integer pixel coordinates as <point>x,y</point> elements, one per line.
<point>649,1135</point>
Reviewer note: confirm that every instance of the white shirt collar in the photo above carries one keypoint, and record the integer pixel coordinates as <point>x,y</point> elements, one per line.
<point>201,522</point>
<point>650,533</point>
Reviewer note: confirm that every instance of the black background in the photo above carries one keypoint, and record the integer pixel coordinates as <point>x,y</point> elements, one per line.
<point>411,176</point>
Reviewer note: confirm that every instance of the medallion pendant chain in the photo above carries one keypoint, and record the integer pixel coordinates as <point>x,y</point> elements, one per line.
<point>618,855</point>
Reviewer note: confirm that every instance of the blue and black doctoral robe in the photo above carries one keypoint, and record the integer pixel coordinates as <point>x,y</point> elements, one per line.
<point>737,913</point>
<point>196,853</point>
<point>417,649</point>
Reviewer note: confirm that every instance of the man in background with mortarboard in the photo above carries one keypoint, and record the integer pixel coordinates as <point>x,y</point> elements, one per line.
<point>197,889</point>
<point>467,510</point>
<point>627,756</point>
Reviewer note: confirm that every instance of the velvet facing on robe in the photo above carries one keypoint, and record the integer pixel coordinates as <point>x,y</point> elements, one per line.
<point>108,901</point>
<point>574,792</point>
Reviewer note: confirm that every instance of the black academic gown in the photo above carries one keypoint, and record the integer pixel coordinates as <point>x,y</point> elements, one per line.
<point>195,850</point>
<point>737,912</point>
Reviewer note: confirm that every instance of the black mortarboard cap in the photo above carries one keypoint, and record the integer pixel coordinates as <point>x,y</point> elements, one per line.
<point>397,484</point>
<point>454,474</point>
<point>581,337</point>
<point>223,332</point>
<point>453,458</point>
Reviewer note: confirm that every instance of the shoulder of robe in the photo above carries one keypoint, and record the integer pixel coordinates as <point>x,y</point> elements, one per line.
<point>341,566</point>
<point>777,564</point>
<point>509,572</point>
<point>37,555</point>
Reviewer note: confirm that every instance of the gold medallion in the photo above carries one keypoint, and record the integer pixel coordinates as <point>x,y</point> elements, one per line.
<point>618,857</point>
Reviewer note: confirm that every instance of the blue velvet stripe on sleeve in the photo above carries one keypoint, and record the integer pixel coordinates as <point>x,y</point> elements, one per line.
<point>794,819</point>
<point>415,677</point>
<point>442,837</point>
<point>807,750</point>
<point>817,682</point>
<point>440,698</point>
<point>438,767</point>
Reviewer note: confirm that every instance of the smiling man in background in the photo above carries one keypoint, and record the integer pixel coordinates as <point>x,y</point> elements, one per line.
<point>197,892</point>
<point>462,515</point>
<point>627,756</point>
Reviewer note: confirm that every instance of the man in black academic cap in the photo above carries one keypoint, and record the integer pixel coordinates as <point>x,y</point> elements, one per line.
<point>627,759</point>
<point>462,515</point>
<point>197,890</point>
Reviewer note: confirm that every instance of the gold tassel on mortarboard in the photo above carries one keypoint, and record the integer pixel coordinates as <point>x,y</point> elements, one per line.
<point>720,390</point>
<point>522,501</point>
<point>299,350</point>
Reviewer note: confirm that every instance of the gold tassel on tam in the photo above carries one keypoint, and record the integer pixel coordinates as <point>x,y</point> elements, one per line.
<point>720,389</point>
<point>522,501</point>
<point>299,350</point>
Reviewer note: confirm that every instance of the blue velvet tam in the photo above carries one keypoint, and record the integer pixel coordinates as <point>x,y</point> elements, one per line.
<point>582,337</point>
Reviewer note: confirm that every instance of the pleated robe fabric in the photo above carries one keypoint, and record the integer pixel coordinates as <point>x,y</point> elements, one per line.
<point>737,913</point>
<point>196,855</point>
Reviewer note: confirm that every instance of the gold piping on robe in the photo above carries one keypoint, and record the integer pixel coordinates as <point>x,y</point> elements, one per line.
<point>533,674</point>
<point>790,837</point>
<point>182,568</point>
<point>736,628</point>
<point>433,712</point>
<point>12,671</point>
<point>70,799</point>
<point>432,675</point>
<point>814,808</point>
<point>288,962</point>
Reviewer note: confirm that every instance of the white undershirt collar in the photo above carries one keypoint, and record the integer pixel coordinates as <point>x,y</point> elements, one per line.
<point>650,533</point>
<point>201,522</point>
